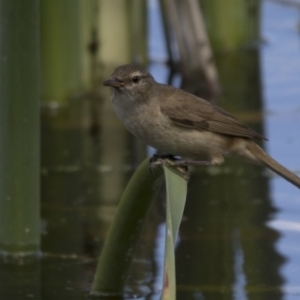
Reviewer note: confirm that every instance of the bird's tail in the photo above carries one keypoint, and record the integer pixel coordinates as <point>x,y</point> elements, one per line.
<point>272,164</point>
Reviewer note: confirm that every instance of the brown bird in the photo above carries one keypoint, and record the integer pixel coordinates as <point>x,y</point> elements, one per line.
<point>178,123</point>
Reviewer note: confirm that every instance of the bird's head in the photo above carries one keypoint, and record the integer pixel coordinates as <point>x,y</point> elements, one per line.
<point>132,80</point>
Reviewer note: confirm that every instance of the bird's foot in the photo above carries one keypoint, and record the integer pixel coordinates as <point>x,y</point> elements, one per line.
<point>168,161</point>
<point>187,162</point>
<point>181,165</point>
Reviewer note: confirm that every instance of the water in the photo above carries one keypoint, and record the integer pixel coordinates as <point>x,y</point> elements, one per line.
<point>280,67</point>
<point>239,235</point>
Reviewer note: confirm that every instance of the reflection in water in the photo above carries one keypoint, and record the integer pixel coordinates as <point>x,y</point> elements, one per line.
<point>239,291</point>
<point>212,257</point>
<point>20,279</point>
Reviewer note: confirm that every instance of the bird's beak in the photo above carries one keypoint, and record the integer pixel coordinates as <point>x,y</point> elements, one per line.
<point>113,82</point>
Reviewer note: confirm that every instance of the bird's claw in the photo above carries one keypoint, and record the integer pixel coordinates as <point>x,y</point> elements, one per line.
<point>181,165</point>
<point>169,161</point>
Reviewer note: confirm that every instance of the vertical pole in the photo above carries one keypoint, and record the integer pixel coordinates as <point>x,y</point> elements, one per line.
<point>114,50</point>
<point>232,24</point>
<point>61,50</point>
<point>138,31</point>
<point>19,127</point>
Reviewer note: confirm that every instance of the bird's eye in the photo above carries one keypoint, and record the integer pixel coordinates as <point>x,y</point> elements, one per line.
<point>136,79</point>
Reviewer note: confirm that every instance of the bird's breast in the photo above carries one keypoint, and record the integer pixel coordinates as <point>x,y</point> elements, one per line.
<point>148,123</point>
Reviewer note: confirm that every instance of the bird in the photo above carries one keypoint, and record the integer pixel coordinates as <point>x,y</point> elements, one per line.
<point>178,123</point>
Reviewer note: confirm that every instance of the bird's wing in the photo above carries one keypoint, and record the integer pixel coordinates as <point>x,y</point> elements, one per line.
<point>190,111</point>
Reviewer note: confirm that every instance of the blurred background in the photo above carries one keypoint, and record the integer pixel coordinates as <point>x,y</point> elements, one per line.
<point>239,238</point>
